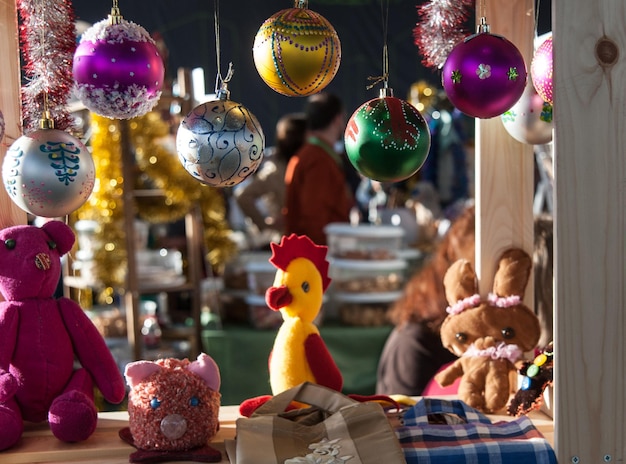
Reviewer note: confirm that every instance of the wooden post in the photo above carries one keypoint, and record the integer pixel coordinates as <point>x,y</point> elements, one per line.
<point>131,293</point>
<point>504,166</point>
<point>10,102</point>
<point>589,53</point>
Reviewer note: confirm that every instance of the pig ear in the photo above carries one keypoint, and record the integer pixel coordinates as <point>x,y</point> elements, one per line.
<point>207,369</point>
<point>136,372</point>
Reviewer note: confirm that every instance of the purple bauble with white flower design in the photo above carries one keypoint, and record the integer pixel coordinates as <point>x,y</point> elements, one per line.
<point>484,75</point>
<point>118,70</point>
<point>48,173</point>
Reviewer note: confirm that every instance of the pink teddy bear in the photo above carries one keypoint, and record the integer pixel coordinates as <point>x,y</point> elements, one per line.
<point>40,337</point>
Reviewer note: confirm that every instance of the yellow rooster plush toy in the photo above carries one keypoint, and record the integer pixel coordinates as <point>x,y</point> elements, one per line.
<point>299,353</point>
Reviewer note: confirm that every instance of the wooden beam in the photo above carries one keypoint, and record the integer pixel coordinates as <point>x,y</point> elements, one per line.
<point>10,102</point>
<point>504,166</point>
<point>589,50</point>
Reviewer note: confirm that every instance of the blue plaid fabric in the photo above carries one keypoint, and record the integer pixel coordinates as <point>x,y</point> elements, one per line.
<point>472,438</point>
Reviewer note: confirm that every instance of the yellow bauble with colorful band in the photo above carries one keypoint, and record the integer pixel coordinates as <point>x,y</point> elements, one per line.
<point>297,52</point>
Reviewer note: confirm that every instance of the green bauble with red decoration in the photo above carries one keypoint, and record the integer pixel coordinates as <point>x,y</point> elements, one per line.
<point>387,139</point>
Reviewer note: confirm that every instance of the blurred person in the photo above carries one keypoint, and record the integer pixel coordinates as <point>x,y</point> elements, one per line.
<point>317,190</point>
<point>262,198</point>
<point>543,272</point>
<point>413,351</point>
<point>446,165</point>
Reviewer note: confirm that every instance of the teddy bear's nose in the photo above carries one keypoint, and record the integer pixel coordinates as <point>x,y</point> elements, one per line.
<point>42,261</point>
<point>173,426</point>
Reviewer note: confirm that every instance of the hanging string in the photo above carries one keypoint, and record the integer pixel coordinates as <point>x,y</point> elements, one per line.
<point>384,14</point>
<point>538,3</point>
<point>483,9</point>
<point>219,80</point>
<point>483,26</point>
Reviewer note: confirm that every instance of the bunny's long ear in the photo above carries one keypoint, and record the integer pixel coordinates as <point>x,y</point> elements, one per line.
<point>513,272</point>
<point>460,281</point>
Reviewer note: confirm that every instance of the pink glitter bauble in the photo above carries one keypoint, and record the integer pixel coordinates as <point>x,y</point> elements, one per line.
<point>484,75</point>
<point>541,70</point>
<point>118,70</point>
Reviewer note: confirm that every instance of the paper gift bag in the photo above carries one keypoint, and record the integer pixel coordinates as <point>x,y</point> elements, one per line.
<point>334,429</point>
<point>451,432</point>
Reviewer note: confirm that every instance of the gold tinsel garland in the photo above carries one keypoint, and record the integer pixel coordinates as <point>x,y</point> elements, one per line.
<point>157,168</point>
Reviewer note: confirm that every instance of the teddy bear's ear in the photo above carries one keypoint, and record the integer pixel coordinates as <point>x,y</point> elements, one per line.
<point>207,369</point>
<point>62,235</point>
<point>137,371</point>
<point>460,281</point>
<point>513,272</point>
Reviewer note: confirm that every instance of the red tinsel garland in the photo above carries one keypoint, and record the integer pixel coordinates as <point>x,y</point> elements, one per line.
<point>439,29</point>
<point>48,42</point>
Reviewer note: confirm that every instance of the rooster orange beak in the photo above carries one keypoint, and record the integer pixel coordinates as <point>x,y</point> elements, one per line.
<point>278,297</point>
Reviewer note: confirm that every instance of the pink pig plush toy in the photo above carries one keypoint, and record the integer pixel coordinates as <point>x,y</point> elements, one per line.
<point>41,337</point>
<point>173,409</point>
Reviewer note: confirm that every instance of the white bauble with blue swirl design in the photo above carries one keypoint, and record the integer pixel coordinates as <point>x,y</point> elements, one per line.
<point>220,143</point>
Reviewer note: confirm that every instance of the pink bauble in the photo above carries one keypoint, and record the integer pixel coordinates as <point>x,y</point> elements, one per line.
<point>484,75</point>
<point>530,119</point>
<point>118,70</point>
<point>541,70</point>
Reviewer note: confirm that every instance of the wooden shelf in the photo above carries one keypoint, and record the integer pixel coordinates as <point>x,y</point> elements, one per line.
<point>135,286</point>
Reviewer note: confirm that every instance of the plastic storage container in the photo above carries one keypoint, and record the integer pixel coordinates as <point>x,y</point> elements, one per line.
<point>260,275</point>
<point>363,241</point>
<point>160,269</point>
<point>367,276</point>
<point>362,290</point>
<point>364,309</point>
<point>260,315</point>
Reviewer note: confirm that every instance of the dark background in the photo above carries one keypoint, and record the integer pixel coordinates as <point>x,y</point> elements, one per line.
<point>187,27</point>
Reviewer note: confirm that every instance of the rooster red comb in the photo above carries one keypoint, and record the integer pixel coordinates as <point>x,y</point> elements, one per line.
<point>300,246</point>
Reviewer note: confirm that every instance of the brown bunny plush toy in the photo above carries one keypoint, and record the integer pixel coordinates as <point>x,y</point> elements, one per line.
<point>488,336</point>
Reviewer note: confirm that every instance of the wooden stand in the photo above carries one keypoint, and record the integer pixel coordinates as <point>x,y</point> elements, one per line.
<point>10,104</point>
<point>38,445</point>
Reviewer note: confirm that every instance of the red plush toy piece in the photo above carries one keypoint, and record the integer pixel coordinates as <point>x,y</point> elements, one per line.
<point>40,338</point>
